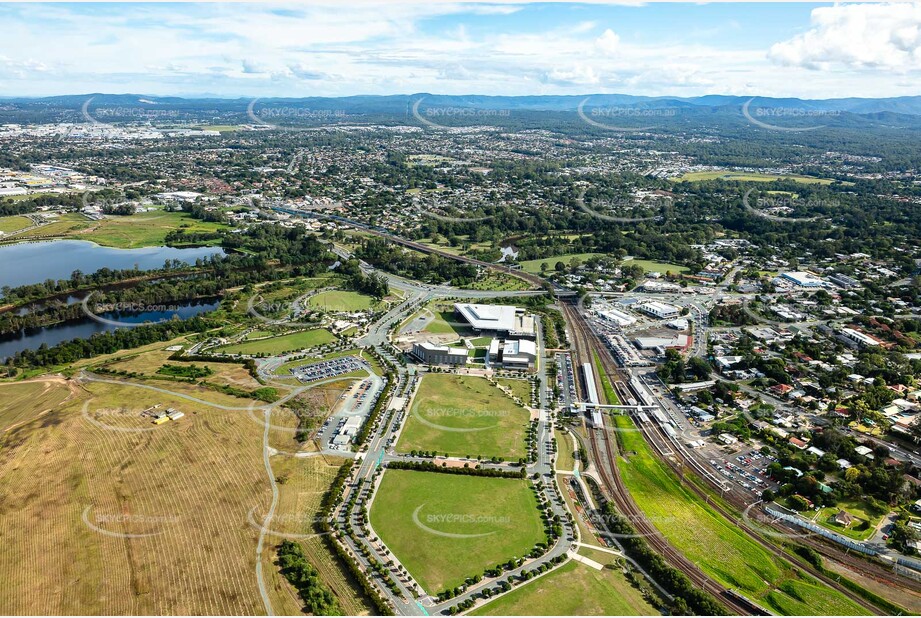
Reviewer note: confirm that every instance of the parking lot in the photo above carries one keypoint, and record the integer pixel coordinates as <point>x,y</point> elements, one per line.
<point>328,368</point>
<point>352,408</point>
<point>747,470</point>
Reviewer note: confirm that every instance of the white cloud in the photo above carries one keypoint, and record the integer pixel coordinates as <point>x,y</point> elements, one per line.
<point>608,42</point>
<point>581,75</point>
<point>857,36</point>
<point>444,47</point>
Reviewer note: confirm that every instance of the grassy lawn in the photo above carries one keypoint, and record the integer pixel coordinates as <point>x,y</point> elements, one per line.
<point>411,508</point>
<point>716,545</point>
<point>66,225</point>
<point>748,177</point>
<point>149,362</point>
<point>259,334</point>
<point>565,457</point>
<point>533,266</point>
<point>572,590</point>
<point>520,388</point>
<point>610,395</point>
<point>446,322</point>
<point>860,530</point>
<point>657,267</point>
<point>340,300</point>
<point>464,415</point>
<point>285,343</point>
<point>21,402</point>
<point>12,224</point>
<point>144,229</point>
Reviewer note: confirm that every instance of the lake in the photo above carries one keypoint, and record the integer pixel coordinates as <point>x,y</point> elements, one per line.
<point>25,263</point>
<point>52,335</point>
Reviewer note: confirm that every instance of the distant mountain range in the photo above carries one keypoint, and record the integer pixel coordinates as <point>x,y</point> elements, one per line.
<point>600,109</point>
<point>392,103</point>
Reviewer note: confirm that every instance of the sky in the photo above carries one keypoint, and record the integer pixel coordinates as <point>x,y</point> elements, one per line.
<point>341,47</point>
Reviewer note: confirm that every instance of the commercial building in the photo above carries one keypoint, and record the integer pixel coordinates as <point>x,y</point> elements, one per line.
<point>500,320</point>
<point>618,317</point>
<point>513,353</point>
<point>857,339</point>
<point>651,343</point>
<point>803,279</point>
<point>432,354</point>
<point>702,415</point>
<point>663,311</point>
<point>843,281</point>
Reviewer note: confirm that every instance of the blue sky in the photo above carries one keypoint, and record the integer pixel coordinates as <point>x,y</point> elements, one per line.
<point>331,48</point>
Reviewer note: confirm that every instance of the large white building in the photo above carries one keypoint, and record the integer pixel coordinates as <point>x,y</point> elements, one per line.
<point>659,310</point>
<point>513,353</point>
<point>651,343</point>
<point>501,320</point>
<point>618,317</point>
<point>803,279</point>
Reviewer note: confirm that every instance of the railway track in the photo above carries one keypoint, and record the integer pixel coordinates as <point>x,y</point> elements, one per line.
<point>672,454</point>
<point>616,491</point>
<point>577,323</point>
<point>675,456</point>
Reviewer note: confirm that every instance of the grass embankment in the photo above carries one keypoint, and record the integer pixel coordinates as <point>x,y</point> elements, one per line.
<point>573,590</point>
<point>534,266</point>
<point>718,546</point>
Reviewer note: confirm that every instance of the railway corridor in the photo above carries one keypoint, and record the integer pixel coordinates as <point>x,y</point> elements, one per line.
<point>603,451</point>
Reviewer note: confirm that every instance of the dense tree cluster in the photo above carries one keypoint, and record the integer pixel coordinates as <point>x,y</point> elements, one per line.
<point>318,600</point>
<point>428,268</point>
<point>430,466</point>
<point>108,343</point>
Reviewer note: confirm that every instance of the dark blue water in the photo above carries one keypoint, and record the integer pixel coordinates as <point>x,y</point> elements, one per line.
<point>52,335</point>
<point>26,263</point>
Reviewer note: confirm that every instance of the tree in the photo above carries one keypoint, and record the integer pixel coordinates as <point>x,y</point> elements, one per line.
<point>852,474</point>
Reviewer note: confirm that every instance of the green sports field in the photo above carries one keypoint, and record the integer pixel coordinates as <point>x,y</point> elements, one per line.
<point>464,415</point>
<point>340,300</point>
<point>445,528</point>
<point>285,343</point>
